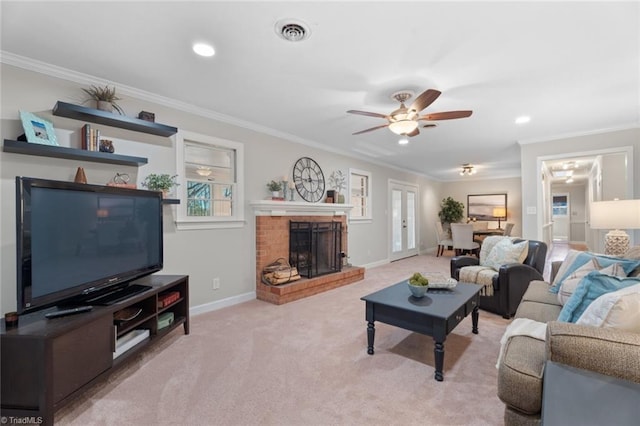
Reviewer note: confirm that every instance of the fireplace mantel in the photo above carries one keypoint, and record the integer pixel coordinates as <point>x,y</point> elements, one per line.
<point>298,208</point>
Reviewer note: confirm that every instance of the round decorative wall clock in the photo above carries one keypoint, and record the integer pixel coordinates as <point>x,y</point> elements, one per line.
<point>309,179</point>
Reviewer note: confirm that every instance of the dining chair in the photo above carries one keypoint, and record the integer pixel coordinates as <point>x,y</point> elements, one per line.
<point>444,242</point>
<point>508,227</point>
<point>462,236</point>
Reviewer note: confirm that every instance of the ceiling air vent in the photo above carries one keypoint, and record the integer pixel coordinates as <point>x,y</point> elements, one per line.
<point>292,30</point>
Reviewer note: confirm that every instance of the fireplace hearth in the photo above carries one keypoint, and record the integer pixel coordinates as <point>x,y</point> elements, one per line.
<point>315,247</point>
<point>273,221</point>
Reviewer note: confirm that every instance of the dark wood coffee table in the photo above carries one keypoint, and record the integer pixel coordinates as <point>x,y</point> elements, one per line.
<point>436,314</point>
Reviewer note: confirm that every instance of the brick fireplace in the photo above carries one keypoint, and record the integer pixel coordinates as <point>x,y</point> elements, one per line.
<point>272,242</point>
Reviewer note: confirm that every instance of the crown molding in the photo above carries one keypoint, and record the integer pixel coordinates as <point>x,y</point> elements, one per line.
<point>86,79</point>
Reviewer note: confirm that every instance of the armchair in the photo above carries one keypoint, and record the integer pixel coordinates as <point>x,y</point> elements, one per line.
<point>510,282</point>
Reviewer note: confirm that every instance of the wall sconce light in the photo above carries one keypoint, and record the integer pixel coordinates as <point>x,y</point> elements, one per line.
<point>616,216</point>
<point>467,170</point>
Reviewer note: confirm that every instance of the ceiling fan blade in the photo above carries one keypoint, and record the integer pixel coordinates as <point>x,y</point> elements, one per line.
<point>425,99</point>
<point>369,114</point>
<point>371,129</point>
<point>448,115</point>
<point>416,132</point>
<point>429,125</point>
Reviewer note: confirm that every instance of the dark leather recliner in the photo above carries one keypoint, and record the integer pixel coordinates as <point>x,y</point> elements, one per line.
<point>512,279</point>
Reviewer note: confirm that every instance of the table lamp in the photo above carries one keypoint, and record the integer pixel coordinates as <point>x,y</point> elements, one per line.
<point>499,213</point>
<point>616,216</point>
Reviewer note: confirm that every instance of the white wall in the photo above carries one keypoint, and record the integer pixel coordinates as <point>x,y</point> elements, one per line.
<point>225,253</point>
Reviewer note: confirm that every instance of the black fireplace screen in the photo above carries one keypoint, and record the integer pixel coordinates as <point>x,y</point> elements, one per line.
<point>315,247</point>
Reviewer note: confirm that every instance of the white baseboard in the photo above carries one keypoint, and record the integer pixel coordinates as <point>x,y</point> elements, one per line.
<point>219,304</point>
<point>374,264</point>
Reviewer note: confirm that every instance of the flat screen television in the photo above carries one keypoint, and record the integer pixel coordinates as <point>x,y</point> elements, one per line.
<point>76,241</point>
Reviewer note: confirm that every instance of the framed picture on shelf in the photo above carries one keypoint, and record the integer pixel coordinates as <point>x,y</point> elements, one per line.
<point>487,206</point>
<point>38,130</point>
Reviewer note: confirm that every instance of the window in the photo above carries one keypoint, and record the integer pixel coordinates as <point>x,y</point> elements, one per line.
<point>360,195</point>
<point>560,205</point>
<point>211,182</point>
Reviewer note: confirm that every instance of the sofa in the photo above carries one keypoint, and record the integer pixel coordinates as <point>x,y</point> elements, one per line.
<point>508,279</point>
<point>604,348</point>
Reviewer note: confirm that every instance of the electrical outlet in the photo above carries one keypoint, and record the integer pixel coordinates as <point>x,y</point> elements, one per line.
<point>216,283</point>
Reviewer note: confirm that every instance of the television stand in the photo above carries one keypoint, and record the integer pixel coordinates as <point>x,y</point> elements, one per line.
<point>117,295</point>
<point>46,363</point>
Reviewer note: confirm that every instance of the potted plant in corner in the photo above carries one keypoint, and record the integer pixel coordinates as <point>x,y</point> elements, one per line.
<point>451,211</point>
<point>275,188</point>
<point>105,98</point>
<point>160,182</point>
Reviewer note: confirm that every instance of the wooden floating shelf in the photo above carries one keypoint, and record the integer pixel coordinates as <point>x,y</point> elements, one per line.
<point>26,148</point>
<point>77,112</point>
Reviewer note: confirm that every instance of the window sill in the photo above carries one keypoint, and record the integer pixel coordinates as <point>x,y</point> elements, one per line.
<point>207,223</point>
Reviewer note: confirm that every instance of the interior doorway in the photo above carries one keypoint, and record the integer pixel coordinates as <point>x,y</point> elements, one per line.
<point>585,177</point>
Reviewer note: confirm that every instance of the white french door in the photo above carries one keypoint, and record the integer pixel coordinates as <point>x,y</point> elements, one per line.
<point>403,205</point>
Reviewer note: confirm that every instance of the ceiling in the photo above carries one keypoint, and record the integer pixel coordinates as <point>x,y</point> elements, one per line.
<point>573,67</point>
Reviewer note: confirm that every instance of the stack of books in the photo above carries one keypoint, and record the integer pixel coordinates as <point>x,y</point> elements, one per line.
<point>166,299</point>
<point>90,138</point>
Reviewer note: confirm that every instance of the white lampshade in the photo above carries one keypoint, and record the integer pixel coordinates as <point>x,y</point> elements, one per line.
<point>617,214</point>
<point>403,127</point>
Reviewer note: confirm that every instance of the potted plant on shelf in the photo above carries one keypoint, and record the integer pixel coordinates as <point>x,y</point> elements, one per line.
<point>160,182</point>
<point>275,188</point>
<point>451,211</point>
<point>105,98</point>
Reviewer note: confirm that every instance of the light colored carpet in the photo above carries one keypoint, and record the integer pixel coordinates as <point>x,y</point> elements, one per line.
<point>304,363</point>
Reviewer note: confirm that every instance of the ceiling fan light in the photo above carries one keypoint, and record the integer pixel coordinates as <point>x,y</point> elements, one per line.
<point>403,127</point>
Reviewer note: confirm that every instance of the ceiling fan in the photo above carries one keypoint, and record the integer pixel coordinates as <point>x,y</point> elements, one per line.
<point>405,121</point>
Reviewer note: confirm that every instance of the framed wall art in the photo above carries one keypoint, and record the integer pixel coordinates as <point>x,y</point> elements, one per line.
<point>487,206</point>
<point>38,130</point>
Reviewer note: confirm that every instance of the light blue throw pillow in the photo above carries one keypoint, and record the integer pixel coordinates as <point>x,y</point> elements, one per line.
<point>592,286</point>
<point>627,264</point>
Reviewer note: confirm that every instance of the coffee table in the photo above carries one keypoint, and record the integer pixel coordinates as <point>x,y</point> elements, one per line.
<point>436,314</point>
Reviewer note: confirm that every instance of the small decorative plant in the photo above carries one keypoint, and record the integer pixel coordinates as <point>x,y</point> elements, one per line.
<point>104,94</point>
<point>337,180</point>
<point>160,182</point>
<point>274,186</point>
<point>451,211</point>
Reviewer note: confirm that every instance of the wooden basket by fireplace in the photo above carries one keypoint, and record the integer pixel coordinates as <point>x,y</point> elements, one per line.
<point>279,272</point>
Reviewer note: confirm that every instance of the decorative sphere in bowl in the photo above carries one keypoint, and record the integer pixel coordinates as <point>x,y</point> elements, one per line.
<point>418,290</point>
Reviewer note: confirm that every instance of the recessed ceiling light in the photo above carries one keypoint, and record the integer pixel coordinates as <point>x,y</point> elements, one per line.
<point>403,141</point>
<point>204,49</point>
<point>523,119</point>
